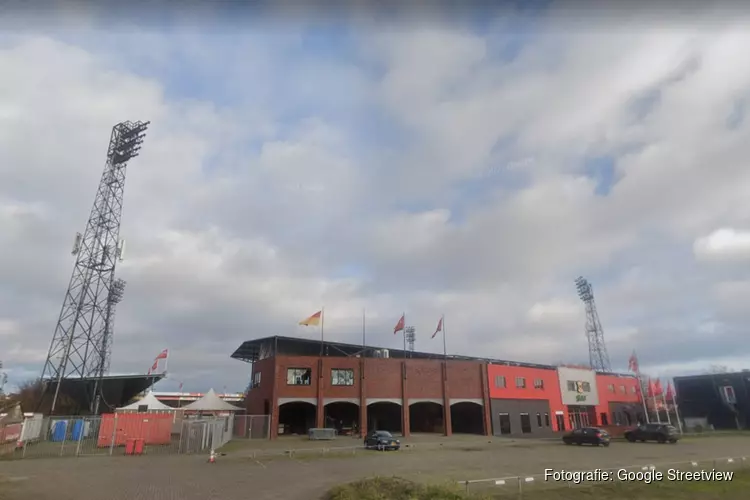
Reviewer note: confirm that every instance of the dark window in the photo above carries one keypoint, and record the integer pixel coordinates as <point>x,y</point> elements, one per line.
<point>538,383</point>
<point>505,423</point>
<point>500,381</point>
<point>539,419</point>
<point>525,423</point>
<point>521,382</point>
<point>605,419</point>
<point>298,376</point>
<point>342,376</point>
<point>546,419</point>
<point>571,385</point>
<point>586,387</point>
<point>256,380</point>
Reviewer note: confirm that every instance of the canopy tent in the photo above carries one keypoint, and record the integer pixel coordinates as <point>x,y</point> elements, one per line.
<point>150,402</point>
<point>211,402</point>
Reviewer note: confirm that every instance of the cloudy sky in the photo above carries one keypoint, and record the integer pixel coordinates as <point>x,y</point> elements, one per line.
<point>470,163</point>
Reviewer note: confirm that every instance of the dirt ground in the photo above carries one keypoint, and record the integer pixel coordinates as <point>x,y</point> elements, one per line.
<point>236,477</point>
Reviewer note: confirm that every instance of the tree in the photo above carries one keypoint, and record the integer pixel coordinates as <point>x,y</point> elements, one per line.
<point>32,397</point>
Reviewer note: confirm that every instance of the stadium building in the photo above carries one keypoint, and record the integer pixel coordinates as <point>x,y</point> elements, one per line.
<point>306,384</point>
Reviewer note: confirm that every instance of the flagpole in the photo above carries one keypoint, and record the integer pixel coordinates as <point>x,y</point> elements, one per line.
<point>666,406</point>
<point>676,411</point>
<point>640,385</point>
<point>403,332</point>
<point>445,351</point>
<point>322,321</point>
<point>166,363</point>
<point>652,388</point>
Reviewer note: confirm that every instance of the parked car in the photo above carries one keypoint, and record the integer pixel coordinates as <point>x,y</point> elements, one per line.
<point>382,440</point>
<point>662,433</point>
<point>587,435</point>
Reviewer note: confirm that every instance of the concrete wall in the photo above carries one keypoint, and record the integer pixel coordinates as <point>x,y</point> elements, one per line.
<point>514,408</point>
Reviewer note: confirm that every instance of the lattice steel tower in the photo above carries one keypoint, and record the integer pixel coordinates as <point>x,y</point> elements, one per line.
<point>82,341</point>
<point>598,357</point>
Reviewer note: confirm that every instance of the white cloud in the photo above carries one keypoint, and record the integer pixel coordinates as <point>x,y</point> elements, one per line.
<point>256,201</point>
<point>723,244</point>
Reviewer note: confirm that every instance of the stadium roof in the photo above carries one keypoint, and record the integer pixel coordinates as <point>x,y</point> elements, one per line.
<point>255,350</point>
<point>116,390</point>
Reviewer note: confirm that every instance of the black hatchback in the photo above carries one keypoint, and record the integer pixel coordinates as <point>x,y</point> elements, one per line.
<point>587,435</point>
<point>382,440</point>
<point>661,433</point>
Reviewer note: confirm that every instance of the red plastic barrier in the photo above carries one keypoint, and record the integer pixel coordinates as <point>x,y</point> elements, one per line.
<point>152,428</point>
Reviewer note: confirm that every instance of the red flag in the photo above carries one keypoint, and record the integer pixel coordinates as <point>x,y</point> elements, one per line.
<point>670,392</point>
<point>651,388</point>
<point>163,355</point>
<point>400,325</point>
<point>658,390</point>
<point>633,363</point>
<point>439,328</point>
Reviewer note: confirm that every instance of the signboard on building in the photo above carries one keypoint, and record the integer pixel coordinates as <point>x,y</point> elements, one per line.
<point>577,386</point>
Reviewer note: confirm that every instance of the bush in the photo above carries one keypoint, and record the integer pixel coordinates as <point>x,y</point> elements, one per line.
<point>393,488</point>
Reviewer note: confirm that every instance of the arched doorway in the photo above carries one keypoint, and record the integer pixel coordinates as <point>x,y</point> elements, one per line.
<point>384,416</point>
<point>296,417</point>
<point>426,416</point>
<point>342,416</point>
<point>467,417</point>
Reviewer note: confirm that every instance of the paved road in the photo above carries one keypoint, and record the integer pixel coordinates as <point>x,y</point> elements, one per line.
<point>191,478</point>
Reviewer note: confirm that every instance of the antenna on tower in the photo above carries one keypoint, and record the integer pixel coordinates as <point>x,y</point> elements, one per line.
<point>598,357</point>
<point>82,340</point>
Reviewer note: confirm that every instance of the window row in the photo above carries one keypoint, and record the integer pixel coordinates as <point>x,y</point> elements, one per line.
<point>303,376</point>
<point>623,389</point>
<point>500,382</point>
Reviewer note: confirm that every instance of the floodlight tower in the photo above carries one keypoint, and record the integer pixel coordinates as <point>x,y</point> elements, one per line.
<point>82,340</point>
<point>411,337</point>
<point>598,357</point>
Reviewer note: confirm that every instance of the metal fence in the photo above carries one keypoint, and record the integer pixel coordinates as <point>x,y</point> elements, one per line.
<point>516,486</point>
<point>118,435</point>
<point>252,427</point>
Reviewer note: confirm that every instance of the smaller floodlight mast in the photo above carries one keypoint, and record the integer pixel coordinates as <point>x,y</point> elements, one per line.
<point>598,357</point>
<point>411,337</point>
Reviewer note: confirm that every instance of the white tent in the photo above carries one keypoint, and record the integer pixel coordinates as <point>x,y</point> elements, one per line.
<point>210,402</point>
<point>150,402</point>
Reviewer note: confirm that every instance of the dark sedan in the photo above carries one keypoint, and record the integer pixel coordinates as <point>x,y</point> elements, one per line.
<point>382,440</point>
<point>661,433</point>
<point>587,435</point>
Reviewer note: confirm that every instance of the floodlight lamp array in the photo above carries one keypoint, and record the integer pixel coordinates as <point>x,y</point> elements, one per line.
<point>584,289</point>
<point>129,142</point>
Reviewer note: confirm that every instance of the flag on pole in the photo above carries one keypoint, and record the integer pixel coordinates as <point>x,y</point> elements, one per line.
<point>651,388</point>
<point>162,355</point>
<point>313,320</point>
<point>439,328</point>
<point>400,325</point>
<point>670,392</point>
<point>180,389</point>
<point>633,363</point>
<point>658,390</point>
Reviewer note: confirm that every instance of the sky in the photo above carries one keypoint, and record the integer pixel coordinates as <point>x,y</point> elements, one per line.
<point>468,162</point>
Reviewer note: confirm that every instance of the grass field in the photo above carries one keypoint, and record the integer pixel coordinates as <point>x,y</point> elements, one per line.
<point>401,489</point>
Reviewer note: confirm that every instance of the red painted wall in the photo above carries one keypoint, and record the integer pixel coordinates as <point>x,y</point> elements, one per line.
<point>606,396</point>
<point>550,391</point>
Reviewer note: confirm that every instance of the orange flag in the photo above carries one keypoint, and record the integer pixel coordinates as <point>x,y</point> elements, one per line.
<point>313,320</point>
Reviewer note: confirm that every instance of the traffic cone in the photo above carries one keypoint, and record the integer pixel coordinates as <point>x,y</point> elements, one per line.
<point>212,457</point>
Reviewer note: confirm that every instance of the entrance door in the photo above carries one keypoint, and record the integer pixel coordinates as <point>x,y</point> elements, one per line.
<point>504,423</point>
<point>560,422</point>
<point>525,423</point>
<point>578,419</point>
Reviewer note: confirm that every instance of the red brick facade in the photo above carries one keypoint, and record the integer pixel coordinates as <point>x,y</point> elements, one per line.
<point>402,380</point>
